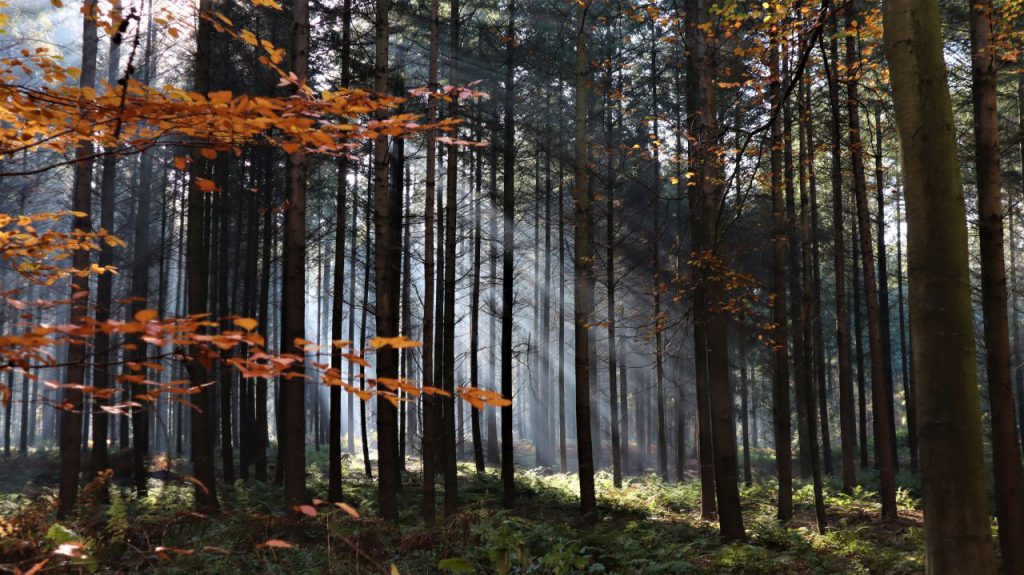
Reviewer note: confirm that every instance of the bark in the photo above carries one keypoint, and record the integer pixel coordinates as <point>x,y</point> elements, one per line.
<point>429,452</point>
<point>197,278</point>
<point>883,287</point>
<point>780,357</point>
<point>957,530</point>
<point>815,288</point>
<point>334,470</point>
<point>806,311</point>
<point>862,402</point>
<point>706,165</point>
<point>905,367</point>
<point>884,440</point>
<point>105,282</point>
<point>450,470</point>
<point>474,311</point>
<point>583,289</point>
<point>610,285</point>
<point>1006,461</point>
<point>293,286</point>
<point>507,279</point>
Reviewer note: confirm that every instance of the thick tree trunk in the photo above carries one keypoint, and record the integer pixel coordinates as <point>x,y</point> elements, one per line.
<point>957,530</point>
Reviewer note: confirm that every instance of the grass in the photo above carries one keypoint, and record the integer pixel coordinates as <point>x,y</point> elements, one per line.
<point>647,526</point>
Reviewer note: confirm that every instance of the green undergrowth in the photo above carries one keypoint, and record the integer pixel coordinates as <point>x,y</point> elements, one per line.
<point>647,526</point>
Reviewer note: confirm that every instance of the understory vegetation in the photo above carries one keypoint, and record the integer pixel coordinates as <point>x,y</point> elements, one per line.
<point>647,526</point>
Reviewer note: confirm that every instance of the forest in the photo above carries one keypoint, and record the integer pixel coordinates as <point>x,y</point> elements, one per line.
<point>511,286</point>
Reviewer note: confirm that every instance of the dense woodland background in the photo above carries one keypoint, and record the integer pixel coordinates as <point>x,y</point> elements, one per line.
<point>728,287</point>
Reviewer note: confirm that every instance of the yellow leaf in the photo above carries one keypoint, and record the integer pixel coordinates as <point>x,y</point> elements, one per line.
<point>246,323</point>
<point>276,543</point>
<point>208,153</point>
<point>181,162</point>
<point>146,315</point>
<point>348,509</point>
<point>205,185</point>
<point>267,3</point>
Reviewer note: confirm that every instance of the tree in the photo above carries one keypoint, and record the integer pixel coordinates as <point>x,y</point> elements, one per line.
<point>293,297</point>
<point>957,531</point>
<point>583,286</point>
<point>1006,461</point>
<point>508,247</point>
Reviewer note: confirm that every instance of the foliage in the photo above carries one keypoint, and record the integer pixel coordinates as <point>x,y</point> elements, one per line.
<point>648,526</point>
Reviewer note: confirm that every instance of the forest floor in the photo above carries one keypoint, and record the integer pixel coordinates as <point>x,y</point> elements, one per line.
<point>647,526</point>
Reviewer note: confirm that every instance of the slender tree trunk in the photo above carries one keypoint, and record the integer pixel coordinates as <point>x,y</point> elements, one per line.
<point>884,441</point>
<point>197,277</point>
<point>583,289</point>
<point>105,283</point>
<point>807,309</point>
<point>816,311</point>
<point>334,472</point>
<point>430,432</point>
<point>862,401</point>
<point>491,418</point>
<point>563,463</point>
<point>1006,460</point>
<point>780,354</point>
<point>905,367</point>
<point>507,279</point>
<point>610,285</point>
<point>883,287</point>
<point>222,266</point>
<point>474,312</point>
<point>744,413</point>
<point>450,471</point>
<point>388,270</point>
<point>71,418</point>
<point>266,254</point>
<point>293,287</point>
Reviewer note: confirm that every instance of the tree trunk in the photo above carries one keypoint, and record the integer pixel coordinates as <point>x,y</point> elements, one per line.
<point>429,451</point>
<point>293,287</point>
<point>105,282</point>
<point>474,310</point>
<point>957,531</point>
<point>197,278</point>
<point>807,307</point>
<point>780,354</point>
<point>883,287</point>
<point>884,441</point>
<point>334,470</point>
<point>507,279</point>
<point>1007,473</point>
<point>707,169</point>
<point>450,471</point>
<point>583,288</point>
